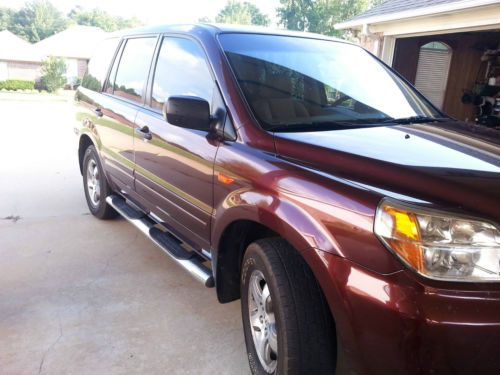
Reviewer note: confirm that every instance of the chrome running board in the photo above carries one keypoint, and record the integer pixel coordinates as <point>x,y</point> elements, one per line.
<point>189,260</point>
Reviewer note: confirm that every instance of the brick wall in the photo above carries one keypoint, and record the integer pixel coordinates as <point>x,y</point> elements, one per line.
<point>23,70</point>
<point>368,43</point>
<point>82,67</point>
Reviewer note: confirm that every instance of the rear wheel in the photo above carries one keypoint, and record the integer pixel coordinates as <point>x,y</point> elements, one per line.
<point>96,186</point>
<point>288,326</point>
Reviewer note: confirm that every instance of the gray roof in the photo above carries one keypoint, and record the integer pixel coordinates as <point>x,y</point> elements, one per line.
<point>16,49</point>
<point>75,42</point>
<point>395,6</point>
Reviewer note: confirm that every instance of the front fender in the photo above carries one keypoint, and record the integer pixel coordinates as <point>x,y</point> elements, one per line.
<point>306,208</point>
<point>275,212</point>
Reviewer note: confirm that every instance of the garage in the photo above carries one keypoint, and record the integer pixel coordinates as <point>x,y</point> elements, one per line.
<point>450,51</point>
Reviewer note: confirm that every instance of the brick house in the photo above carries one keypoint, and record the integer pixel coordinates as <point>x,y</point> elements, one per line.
<point>22,60</point>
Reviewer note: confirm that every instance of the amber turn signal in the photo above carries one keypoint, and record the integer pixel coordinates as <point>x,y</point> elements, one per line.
<point>405,235</point>
<point>224,179</point>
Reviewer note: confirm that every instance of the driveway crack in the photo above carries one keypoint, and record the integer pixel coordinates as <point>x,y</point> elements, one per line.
<point>49,349</point>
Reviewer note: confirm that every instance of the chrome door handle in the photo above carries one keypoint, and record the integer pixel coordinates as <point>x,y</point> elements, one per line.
<point>98,112</point>
<point>144,133</point>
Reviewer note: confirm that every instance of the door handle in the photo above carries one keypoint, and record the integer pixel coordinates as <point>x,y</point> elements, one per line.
<point>144,133</point>
<point>98,112</point>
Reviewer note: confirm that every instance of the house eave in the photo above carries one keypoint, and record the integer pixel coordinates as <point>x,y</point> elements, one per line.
<point>414,13</point>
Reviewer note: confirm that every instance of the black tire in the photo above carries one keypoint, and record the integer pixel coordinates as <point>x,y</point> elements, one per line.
<point>305,329</point>
<point>100,208</point>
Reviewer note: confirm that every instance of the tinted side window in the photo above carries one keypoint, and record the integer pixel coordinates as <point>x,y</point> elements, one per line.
<point>134,67</point>
<point>181,70</point>
<point>99,63</point>
<point>108,86</point>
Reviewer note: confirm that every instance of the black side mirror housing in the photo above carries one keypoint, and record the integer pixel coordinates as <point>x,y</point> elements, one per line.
<point>188,112</point>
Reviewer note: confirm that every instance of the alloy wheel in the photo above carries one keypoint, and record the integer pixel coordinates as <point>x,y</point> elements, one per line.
<point>262,321</point>
<point>93,183</point>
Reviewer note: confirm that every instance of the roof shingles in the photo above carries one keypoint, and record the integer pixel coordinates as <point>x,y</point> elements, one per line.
<point>394,6</point>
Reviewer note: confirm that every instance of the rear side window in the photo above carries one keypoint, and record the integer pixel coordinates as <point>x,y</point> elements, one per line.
<point>181,70</point>
<point>99,63</point>
<point>133,68</point>
<point>108,86</point>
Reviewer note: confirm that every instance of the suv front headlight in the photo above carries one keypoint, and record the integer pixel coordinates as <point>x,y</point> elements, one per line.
<point>440,245</point>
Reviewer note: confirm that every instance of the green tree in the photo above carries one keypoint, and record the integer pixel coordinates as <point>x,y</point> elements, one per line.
<point>38,20</point>
<point>205,19</point>
<point>53,73</point>
<point>243,13</point>
<point>319,16</point>
<point>102,19</point>
<point>5,18</point>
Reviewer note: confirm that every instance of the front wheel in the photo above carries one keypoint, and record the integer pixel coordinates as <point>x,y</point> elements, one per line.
<point>287,324</point>
<point>95,185</point>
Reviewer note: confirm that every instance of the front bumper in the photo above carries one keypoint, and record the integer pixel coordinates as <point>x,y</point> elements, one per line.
<point>401,324</point>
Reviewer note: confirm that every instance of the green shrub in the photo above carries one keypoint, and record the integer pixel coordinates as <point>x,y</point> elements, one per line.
<point>53,73</point>
<point>17,84</point>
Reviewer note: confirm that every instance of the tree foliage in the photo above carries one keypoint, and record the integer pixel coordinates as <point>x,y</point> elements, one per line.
<point>319,16</point>
<point>40,19</point>
<point>37,20</point>
<point>5,18</point>
<point>100,18</point>
<point>243,13</point>
<point>205,19</point>
<point>53,73</point>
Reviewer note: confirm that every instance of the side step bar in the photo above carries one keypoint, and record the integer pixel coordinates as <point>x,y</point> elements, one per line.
<point>189,260</point>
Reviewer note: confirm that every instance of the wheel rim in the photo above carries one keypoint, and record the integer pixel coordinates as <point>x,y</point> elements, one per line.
<point>262,321</point>
<point>93,183</point>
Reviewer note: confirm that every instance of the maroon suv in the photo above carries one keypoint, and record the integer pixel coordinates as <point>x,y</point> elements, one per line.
<point>356,222</point>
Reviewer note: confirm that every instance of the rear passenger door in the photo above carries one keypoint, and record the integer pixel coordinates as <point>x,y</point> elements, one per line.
<point>174,169</point>
<point>124,93</point>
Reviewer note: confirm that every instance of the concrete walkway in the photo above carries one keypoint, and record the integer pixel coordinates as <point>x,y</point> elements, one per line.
<point>83,296</point>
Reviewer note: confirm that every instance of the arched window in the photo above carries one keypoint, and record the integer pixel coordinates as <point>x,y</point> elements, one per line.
<point>432,71</point>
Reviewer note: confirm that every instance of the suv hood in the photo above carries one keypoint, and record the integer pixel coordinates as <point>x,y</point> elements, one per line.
<point>450,164</point>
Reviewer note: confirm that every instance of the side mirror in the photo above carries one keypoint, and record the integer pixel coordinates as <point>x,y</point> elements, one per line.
<point>188,112</point>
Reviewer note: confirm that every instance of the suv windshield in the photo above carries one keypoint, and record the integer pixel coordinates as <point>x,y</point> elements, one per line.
<point>303,84</point>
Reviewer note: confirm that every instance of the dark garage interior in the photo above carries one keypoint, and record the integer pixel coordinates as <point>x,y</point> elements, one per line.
<point>454,71</point>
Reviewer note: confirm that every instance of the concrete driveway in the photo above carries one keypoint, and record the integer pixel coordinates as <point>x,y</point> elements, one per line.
<point>83,296</point>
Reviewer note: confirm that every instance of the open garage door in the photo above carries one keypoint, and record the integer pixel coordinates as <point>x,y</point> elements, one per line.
<point>432,71</point>
<point>444,67</point>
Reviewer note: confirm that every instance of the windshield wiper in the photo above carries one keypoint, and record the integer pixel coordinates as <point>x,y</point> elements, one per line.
<point>415,120</point>
<point>308,126</point>
<point>319,125</point>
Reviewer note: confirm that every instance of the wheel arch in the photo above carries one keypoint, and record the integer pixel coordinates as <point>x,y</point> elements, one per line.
<point>232,245</point>
<point>237,225</point>
<point>83,143</point>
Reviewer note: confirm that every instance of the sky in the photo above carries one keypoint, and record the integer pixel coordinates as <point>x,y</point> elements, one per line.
<point>155,11</point>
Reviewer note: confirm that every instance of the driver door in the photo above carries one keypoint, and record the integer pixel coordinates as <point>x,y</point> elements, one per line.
<point>174,166</point>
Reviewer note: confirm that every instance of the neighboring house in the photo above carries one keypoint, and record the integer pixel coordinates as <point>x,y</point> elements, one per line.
<point>18,60</point>
<point>22,60</point>
<point>75,44</point>
<point>449,49</point>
